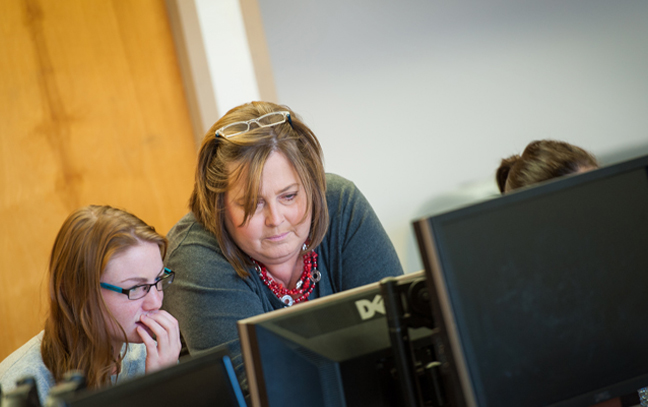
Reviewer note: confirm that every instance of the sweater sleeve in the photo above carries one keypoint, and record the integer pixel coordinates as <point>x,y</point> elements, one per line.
<point>207,296</point>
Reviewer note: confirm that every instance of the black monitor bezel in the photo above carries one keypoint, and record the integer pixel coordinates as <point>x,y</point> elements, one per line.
<point>216,356</point>
<point>454,361</point>
<point>249,342</point>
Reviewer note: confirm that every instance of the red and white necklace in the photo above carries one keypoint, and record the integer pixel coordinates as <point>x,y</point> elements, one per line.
<point>309,277</point>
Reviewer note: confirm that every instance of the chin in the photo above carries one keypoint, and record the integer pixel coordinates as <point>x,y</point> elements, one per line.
<point>135,340</point>
<point>133,336</point>
<point>279,256</point>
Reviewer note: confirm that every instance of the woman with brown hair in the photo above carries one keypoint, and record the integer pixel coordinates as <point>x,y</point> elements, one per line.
<point>103,314</point>
<point>267,228</point>
<point>540,161</point>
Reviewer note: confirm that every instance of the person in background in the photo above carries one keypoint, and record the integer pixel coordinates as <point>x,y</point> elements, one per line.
<point>268,228</point>
<point>106,277</point>
<point>542,160</point>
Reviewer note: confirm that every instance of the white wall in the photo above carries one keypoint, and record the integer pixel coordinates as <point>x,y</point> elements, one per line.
<point>228,56</point>
<point>215,57</point>
<point>417,101</point>
<point>414,99</point>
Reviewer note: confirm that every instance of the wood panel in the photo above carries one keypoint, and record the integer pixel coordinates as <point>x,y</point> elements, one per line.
<point>92,111</point>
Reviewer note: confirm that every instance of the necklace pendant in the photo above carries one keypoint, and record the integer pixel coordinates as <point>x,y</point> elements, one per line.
<point>316,276</point>
<point>288,300</point>
<point>258,268</point>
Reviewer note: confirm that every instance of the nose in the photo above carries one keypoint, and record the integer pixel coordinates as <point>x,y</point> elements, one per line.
<point>153,300</point>
<point>274,217</point>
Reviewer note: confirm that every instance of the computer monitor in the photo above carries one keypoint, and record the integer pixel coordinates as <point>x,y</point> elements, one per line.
<point>25,394</point>
<point>199,381</point>
<point>332,351</point>
<point>540,295</point>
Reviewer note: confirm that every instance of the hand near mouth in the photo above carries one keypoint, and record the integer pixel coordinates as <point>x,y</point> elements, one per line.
<point>164,350</point>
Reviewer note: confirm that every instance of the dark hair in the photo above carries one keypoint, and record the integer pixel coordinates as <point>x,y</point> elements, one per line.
<point>542,160</point>
<point>77,328</point>
<point>224,160</point>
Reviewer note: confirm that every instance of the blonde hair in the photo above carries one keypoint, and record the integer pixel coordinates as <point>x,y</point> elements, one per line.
<point>223,161</point>
<point>77,334</point>
<point>542,160</point>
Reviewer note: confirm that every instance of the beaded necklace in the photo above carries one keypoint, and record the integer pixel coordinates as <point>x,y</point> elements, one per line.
<point>309,277</point>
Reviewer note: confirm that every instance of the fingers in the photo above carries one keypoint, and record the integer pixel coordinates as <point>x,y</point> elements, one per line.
<point>164,326</point>
<point>153,362</point>
<point>165,349</point>
<point>149,342</point>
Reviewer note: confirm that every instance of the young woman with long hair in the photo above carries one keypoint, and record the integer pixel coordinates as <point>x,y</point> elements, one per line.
<point>106,277</point>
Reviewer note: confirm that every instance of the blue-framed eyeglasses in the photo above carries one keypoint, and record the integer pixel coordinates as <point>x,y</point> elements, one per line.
<point>267,120</point>
<point>139,291</point>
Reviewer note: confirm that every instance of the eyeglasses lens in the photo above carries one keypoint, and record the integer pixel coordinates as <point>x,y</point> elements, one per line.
<point>138,292</point>
<point>164,282</point>
<point>271,119</point>
<point>234,129</point>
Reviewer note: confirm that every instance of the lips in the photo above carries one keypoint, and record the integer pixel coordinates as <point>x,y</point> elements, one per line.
<point>277,237</point>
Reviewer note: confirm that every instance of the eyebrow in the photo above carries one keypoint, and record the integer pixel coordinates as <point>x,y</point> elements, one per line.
<point>296,184</point>
<point>241,201</point>
<point>142,279</point>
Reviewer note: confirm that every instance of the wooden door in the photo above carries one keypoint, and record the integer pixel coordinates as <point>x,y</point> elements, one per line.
<point>92,112</point>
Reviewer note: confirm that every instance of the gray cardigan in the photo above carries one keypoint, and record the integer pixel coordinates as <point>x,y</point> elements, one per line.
<point>28,361</point>
<point>208,297</point>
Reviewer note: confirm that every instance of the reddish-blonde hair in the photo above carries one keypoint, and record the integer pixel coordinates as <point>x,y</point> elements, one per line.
<point>77,330</point>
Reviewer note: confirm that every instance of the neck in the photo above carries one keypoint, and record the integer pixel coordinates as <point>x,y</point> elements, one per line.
<point>288,272</point>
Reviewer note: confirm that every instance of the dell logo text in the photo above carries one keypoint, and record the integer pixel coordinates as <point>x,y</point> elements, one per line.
<point>368,308</point>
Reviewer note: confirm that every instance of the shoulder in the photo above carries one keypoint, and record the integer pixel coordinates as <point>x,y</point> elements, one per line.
<point>340,191</point>
<point>343,197</point>
<point>24,357</point>
<point>190,241</point>
<point>26,361</point>
<point>336,185</point>
<point>189,231</point>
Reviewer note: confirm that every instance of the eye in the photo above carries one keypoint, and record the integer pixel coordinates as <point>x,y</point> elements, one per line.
<point>290,196</point>
<point>260,203</point>
<point>138,291</point>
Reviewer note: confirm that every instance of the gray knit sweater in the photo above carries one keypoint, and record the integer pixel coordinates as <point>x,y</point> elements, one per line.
<point>28,361</point>
<point>208,297</point>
